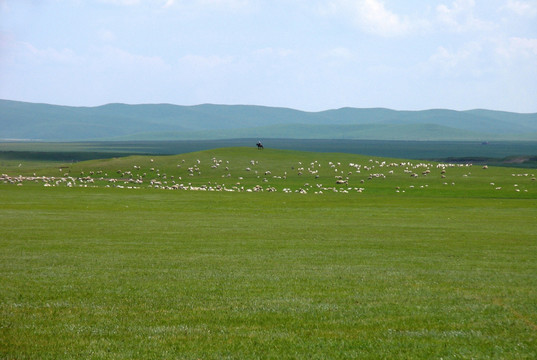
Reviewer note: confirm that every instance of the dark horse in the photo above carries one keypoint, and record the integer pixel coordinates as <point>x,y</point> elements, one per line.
<point>259,146</point>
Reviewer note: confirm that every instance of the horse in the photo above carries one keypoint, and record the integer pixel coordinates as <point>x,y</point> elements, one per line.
<point>259,146</point>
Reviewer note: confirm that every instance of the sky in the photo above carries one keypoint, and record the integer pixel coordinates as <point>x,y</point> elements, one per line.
<point>309,55</point>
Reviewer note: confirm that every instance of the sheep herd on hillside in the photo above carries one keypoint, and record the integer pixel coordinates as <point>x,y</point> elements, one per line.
<point>341,178</point>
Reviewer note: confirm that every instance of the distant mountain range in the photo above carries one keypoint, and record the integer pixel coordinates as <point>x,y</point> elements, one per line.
<point>31,121</point>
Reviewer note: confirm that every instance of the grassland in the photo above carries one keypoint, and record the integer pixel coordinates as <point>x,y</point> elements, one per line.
<point>388,265</point>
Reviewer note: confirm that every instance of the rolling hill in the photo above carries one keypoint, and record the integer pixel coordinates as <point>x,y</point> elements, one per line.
<point>21,120</point>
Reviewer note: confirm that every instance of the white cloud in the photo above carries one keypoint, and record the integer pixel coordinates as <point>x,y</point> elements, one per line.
<point>341,53</point>
<point>212,4</point>
<point>449,59</point>
<point>198,61</point>
<point>369,15</point>
<point>274,52</point>
<point>225,3</point>
<point>522,8</point>
<point>121,2</point>
<point>524,46</point>
<point>107,35</point>
<point>206,4</point>
<point>459,17</point>
<point>517,47</point>
<point>49,55</point>
<point>169,3</point>
<point>465,61</point>
<point>376,17</point>
<point>116,57</point>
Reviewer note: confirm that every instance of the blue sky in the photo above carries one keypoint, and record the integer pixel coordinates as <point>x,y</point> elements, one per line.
<point>304,54</point>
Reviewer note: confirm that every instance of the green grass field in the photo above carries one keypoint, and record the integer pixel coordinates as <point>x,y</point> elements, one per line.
<point>386,266</point>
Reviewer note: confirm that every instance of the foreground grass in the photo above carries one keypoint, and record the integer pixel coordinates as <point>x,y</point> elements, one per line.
<point>436,271</point>
<point>105,273</point>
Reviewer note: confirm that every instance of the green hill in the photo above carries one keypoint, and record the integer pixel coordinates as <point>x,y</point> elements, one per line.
<point>20,120</point>
<point>277,170</point>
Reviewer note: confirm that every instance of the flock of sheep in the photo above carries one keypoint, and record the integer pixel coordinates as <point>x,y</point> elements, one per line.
<point>341,178</point>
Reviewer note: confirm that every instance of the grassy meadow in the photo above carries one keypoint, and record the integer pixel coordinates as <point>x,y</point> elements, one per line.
<point>236,253</point>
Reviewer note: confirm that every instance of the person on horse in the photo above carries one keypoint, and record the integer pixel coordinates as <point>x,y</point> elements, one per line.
<point>259,145</point>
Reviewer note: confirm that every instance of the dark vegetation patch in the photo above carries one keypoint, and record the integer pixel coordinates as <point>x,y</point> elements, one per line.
<point>509,161</point>
<point>500,153</point>
<point>57,155</point>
